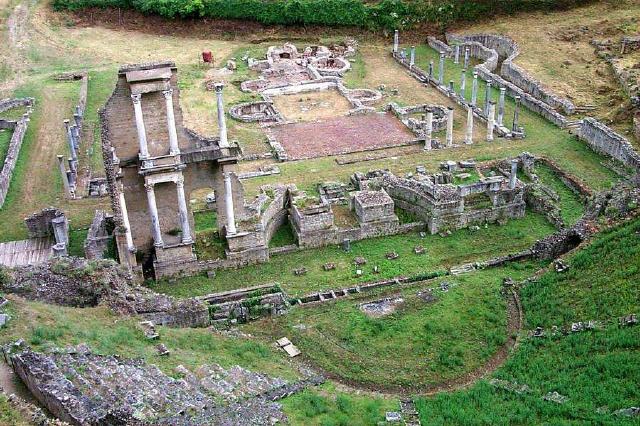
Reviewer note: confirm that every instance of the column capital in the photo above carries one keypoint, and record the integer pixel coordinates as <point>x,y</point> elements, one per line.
<point>218,87</point>
<point>168,94</point>
<point>136,98</point>
<point>149,186</point>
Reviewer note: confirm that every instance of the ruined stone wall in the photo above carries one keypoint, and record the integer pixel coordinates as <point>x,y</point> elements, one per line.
<point>11,158</point>
<point>508,49</point>
<point>10,103</point>
<point>605,141</point>
<point>275,214</point>
<point>99,236</point>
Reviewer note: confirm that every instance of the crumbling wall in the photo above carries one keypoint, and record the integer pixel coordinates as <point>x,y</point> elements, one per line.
<point>11,158</point>
<point>605,141</point>
<point>99,235</point>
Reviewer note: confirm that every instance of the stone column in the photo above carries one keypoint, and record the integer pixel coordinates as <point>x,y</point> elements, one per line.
<point>474,89</point>
<point>466,57</point>
<point>228,201</point>
<point>153,213</point>
<point>72,173</point>
<point>441,69</point>
<point>463,83</point>
<point>503,91</point>
<point>451,88</point>
<point>428,130</point>
<point>516,112</point>
<point>396,41</point>
<point>449,126</point>
<point>125,218</point>
<point>514,174</point>
<point>456,56</point>
<point>171,123</point>
<point>75,133</point>
<point>412,57</point>
<point>59,250</point>
<point>184,213</point>
<point>77,118</point>
<point>491,114</point>
<point>430,69</point>
<point>487,97</point>
<point>469,135</point>
<point>222,123</point>
<point>65,177</point>
<point>142,132</point>
<point>72,145</point>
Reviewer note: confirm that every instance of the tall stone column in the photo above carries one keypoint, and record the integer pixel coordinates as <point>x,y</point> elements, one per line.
<point>487,97</point>
<point>463,83</point>
<point>491,121</point>
<point>456,55</point>
<point>222,122</point>
<point>516,113</point>
<point>469,134</point>
<point>466,57</point>
<point>184,213</point>
<point>77,118</point>
<point>431,69</point>
<point>153,215</point>
<point>514,174</point>
<point>75,133</point>
<point>396,41</point>
<point>474,89</point>
<point>60,229</point>
<point>125,218</point>
<point>228,201</point>
<point>142,132</point>
<point>171,123</point>
<point>503,91</point>
<point>441,69</point>
<point>449,126</point>
<point>65,177</point>
<point>412,57</point>
<point>72,145</point>
<point>72,172</point>
<point>428,130</point>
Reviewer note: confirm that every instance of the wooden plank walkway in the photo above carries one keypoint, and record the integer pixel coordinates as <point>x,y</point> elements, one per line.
<point>25,252</point>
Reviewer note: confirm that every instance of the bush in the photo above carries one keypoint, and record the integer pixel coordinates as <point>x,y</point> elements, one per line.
<point>386,14</point>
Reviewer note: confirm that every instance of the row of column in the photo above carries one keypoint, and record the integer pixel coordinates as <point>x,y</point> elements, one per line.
<point>174,149</point>
<point>153,213</point>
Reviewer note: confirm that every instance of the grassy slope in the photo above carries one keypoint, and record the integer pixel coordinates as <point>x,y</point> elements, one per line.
<point>595,370</point>
<point>44,325</point>
<point>5,138</point>
<point>460,247</point>
<point>436,341</point>
<point>571,207</point>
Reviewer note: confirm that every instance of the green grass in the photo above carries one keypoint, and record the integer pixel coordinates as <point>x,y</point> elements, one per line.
<point>43,325</point>
<point>101,85</point>
<point>442,252</point>
<point>209,245</point>
<point>206,220</point>
<point>9,416</point>
<point>283,236</point>
<point>327,406</point>
<point>77,238</point>
<point>571,207</point>
<point>436,341</point>
<point>597,371</point>
<point>5,138</point>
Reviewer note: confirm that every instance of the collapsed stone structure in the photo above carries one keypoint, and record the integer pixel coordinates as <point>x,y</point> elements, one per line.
<point>50,222</point>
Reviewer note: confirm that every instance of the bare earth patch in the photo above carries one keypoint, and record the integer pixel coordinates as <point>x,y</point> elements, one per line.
<point>312,106</point>
<point>341,135</point>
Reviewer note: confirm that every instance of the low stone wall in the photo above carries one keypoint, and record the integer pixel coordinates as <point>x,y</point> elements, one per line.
<point>11,158</point>
<point>605,141</point>
<point>7,104</point>
<point>508,49</point>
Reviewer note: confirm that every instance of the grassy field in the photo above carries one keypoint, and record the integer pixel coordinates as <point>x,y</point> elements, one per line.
<point>598,371</point>
<point>441,252</point>
<point>436,341</point>
<point>5,138</point>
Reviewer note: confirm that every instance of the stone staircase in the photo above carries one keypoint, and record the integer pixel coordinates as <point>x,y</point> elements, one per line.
<point>409,413</point>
